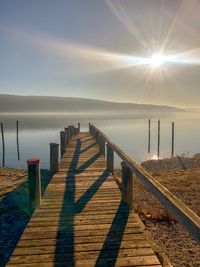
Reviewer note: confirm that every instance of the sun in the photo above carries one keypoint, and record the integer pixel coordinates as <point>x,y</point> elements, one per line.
<point>156,60</point>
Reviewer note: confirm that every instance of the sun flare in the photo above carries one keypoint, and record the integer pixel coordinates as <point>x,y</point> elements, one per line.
<point>157,60</point>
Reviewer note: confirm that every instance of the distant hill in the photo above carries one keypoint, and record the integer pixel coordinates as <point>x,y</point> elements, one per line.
<point>43,104</point>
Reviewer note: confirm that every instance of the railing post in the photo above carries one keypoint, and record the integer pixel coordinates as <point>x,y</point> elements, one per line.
<point>92,130</point>
<point>54,157</point>
<point>110,159</point>
<point>73,130</point>
<point>127,185</point>
<point>34,184</point>
<point>62,143</point>
<point>70,131</point>
<point>102,145</point>
<point>97,136</point>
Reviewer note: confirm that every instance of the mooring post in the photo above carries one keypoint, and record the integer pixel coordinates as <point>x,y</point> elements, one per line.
<point>158,153</point>
<point>127,185</point>
<point>90,128</point>
<point>3,145</point>
<point>79,127</point>
<point>149,137</point>
<point>34,184</point>
<point>54,157</point>
<point>110,159</point>
<point>67,136</point>
<point>62,143</point>
<point>172,139</point>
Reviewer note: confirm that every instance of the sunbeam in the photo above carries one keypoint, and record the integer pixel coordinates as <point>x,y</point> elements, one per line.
<point>118,11</point>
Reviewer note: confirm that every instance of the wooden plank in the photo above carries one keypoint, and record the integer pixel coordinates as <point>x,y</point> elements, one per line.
<point>133,238</point>
<point>141,247</point>
<point>126,261</point>
<point>80,264</point>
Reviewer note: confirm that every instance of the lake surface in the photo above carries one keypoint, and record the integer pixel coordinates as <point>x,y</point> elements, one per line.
<point>131,134</point>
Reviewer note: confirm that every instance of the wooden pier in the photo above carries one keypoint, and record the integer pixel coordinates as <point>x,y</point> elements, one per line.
<point>85,220</point>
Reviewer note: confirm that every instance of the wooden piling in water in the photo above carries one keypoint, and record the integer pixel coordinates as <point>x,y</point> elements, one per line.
<point>34,184</point>
<point>17,139</point>
<point>127,185</point>
<point>172,154</point>
<point>54,158</point>
<point>3,145</point>
<point>158,153</point>
<point>149,136</point>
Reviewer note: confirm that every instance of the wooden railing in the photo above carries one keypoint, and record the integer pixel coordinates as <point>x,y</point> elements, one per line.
<point>184,215</point>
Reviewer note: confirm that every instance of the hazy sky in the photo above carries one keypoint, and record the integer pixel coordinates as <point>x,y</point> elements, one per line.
<point>102,49</point>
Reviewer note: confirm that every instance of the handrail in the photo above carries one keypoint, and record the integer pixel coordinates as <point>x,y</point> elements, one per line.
<point>183,214</point>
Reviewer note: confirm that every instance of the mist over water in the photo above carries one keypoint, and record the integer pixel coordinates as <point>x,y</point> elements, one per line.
<point>131,134</point>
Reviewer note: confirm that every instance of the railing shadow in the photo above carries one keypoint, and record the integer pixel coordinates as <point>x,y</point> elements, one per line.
<point>88,147</point>
<point>84,199</point>
<point>88,139</point>
<point>111,246</point>
<point>88,163</point>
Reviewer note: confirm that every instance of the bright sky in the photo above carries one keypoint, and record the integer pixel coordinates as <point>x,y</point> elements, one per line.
<point>120,50</point>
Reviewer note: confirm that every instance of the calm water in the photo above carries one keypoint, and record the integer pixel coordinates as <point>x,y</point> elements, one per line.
<point>36,132</point>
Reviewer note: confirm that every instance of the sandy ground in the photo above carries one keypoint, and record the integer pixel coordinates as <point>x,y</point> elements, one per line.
<point>181,176</point>
<point>14,209</point>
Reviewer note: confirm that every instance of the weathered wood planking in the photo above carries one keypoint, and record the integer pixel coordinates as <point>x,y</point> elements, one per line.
<point>82,221</point>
